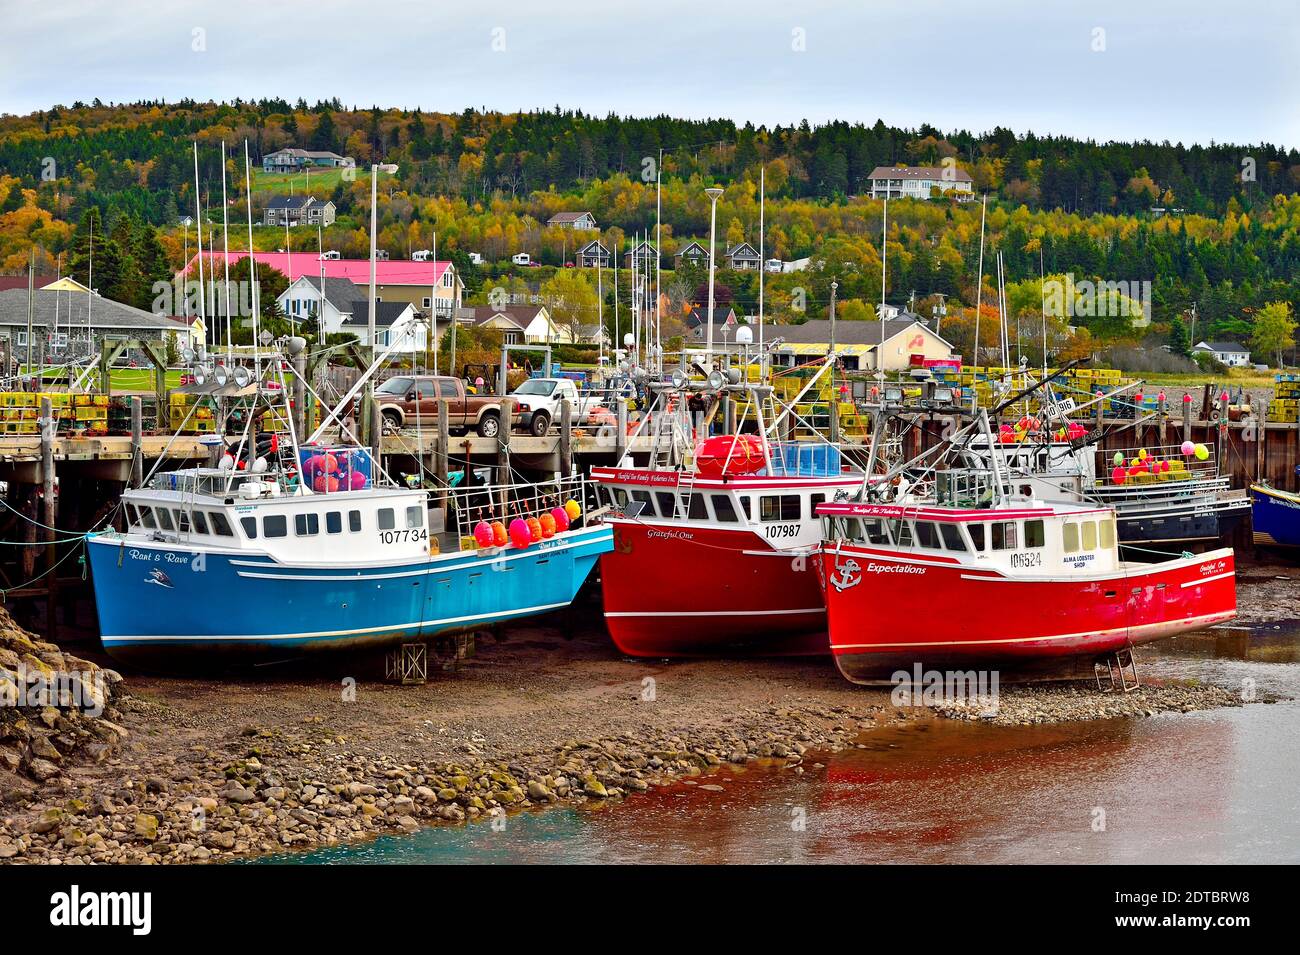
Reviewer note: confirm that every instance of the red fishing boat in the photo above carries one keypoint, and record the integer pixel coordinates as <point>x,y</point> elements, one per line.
<point>718,560</point>
<point>977,576</point>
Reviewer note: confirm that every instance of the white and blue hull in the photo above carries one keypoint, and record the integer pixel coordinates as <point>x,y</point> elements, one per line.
<point>159,598</point>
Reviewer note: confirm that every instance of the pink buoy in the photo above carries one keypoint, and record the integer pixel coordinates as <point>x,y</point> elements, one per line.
<point>1188,449</point>
<point>483,534</point>
<point>357,481</point>
<point>561,519</point>
<point>519,534</point>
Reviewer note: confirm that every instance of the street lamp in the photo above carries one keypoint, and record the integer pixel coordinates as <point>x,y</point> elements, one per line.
<point>714,194</point>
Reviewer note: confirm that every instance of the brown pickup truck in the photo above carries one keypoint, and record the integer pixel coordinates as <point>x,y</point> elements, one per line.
<point>408,400</point>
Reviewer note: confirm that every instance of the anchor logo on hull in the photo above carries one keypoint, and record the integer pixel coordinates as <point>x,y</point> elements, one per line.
<point>848,574</point>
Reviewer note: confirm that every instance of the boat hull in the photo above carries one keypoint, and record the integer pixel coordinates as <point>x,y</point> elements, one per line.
<point>692,591</point>
<point>1275,517</point>
<point>160,599</point>
<point>893,613</point>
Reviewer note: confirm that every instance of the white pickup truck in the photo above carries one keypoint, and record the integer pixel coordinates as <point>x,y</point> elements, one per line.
<point>537,403</point>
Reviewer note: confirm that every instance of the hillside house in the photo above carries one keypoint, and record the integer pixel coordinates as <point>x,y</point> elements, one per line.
<point>572,220</point>
<point>917,182</point>
<point>1225,353</point>
<point>294,211</point>
<point>743,257</point>
<point>295,160</point>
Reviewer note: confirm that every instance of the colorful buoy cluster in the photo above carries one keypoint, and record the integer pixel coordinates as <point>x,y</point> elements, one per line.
<point>1144,463</point>
<point>1022,429</point>
<point>330,471</point>
<point>524,531</point>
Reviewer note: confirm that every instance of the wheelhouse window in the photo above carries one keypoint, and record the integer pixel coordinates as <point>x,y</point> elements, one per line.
<point>387,519</point>
<point>333,522</point>
<point>952,538</point>
<point>783,507</point>
<point>976,532</point>
<point>146,518</point>
<point>1106,531</point>
<point>183,521</point>
<point>220,526</point>
<point>697,511</point>
<point>414,517</point>
<point>275,525</point>
<point>901,532</point>
<point>1005,536</point>
<point>165,520</point>
<point>1070,538</point>
<point>1089,530</point>
<point>354,521</point>
<point>746,510</point>
<point>874,531</point>
<point>927,535</point>
<point>723,510</point>
<point>249,524</point>
<point>666,502</point>
<point>200,523</point>
<point>305,525</point>
<point>1035,536</point>
<point>642,496</point>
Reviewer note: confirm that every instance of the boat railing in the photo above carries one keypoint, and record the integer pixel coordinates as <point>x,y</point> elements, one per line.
<point>1156,464</point>
<point>502,504</point>
<point>969,487</point>
<point>210,482</point>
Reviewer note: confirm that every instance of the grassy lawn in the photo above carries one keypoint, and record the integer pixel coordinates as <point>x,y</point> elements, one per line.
<point>1246,378</point>
<point>322,181</point>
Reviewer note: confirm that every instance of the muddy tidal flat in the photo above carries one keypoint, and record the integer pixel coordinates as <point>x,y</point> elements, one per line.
<point>323,764</point>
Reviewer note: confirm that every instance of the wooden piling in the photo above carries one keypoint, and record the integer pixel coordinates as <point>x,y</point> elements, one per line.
<point>440,452</point>
<point>566,438</point>
<point>620,433</point>
<point>137,441</point>
<point>503,453</point>
<point>48,426</point>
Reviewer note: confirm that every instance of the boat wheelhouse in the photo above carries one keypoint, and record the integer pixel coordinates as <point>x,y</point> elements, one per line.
<point>716,565</point>
<point>258,565</point>
<point>981,574</point>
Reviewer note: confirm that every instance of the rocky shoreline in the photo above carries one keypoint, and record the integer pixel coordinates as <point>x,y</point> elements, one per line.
<point>180,771</point>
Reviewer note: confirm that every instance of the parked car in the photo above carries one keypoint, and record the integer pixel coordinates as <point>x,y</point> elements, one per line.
<point>538,403</point>
<point>410,400</point>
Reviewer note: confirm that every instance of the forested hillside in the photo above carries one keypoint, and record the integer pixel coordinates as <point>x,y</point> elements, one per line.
<point>1211,226</point>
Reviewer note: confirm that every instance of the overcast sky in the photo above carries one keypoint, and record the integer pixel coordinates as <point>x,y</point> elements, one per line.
<point>1190,71</point>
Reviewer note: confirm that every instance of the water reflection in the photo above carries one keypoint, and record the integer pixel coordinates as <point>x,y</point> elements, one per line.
<point>1217,786</point>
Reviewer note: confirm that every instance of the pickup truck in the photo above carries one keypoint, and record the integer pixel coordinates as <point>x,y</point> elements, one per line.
<point>537,403</point>
<point>408,400</point>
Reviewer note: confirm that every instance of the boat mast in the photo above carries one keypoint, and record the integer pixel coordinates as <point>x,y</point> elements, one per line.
<point>979,283</point>
<point>370,327</point>
<point>198,218</point>
<point>762,269</point>
<point>225,250</point>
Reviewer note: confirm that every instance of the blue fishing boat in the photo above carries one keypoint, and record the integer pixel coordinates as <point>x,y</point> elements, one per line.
<point>1276,516</point>
<point>260,564</point>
